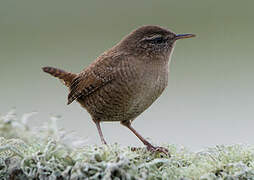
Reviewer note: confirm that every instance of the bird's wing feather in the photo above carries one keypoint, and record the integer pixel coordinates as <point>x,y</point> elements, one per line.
<point>94,77</point>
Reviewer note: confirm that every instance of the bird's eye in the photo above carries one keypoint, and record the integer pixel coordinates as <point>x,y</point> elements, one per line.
<point>156,40</point>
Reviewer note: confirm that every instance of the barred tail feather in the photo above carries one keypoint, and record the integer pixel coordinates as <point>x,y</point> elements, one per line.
<point>66,77</point>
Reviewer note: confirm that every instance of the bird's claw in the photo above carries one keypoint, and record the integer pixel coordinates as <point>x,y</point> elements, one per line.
<point>158,149</point>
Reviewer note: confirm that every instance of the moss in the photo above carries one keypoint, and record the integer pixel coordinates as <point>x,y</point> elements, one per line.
<point>51,153</point>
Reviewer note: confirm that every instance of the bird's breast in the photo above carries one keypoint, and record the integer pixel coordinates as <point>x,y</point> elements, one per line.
<point>155,82</point>
<point>150,86</point>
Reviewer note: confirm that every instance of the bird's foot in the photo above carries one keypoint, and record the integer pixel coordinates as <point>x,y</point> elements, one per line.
<point>158,149</point>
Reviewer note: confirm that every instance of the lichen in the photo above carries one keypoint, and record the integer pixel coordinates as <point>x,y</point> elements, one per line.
<point>52,153</point>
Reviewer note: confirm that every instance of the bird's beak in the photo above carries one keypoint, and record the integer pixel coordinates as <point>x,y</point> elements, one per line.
<point>183,36</point>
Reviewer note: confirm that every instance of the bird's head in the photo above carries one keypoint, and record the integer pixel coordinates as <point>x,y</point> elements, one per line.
<point>151,41</point>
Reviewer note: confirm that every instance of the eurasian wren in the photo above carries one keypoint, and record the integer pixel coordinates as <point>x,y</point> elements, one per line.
<point>125,80</point>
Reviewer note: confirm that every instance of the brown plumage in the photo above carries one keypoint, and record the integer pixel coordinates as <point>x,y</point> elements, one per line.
<point>125,80</point>
<point>65,77</point>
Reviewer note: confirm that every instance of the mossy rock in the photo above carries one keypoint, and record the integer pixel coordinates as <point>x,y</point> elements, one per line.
<point>34,153</point>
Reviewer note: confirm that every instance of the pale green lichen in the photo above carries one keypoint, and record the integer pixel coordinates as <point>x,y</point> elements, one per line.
<point>51,153</point>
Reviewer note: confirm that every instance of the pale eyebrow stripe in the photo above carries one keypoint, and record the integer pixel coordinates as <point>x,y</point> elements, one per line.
<point>152,37</point>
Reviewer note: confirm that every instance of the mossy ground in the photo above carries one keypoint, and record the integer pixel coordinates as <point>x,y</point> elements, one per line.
<point>50,153</point>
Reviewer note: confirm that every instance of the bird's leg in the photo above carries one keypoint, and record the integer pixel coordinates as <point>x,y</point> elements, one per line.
<point>149,146</point>
<point>100,132</point>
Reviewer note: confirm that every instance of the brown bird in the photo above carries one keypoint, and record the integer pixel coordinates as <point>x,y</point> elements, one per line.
<point>125,80</point>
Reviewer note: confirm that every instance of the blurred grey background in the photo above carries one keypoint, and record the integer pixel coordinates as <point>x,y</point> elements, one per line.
<point>209,99</point>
